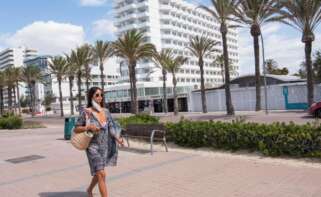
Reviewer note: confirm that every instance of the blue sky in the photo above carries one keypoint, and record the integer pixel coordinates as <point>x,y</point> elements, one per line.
<point>56,26</point>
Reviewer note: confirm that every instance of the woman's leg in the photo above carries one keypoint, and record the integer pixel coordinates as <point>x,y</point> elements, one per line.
<point>93,183</point>
<point>101,176</point>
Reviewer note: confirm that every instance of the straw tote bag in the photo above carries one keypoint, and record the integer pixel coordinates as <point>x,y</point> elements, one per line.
<point>81,140</point>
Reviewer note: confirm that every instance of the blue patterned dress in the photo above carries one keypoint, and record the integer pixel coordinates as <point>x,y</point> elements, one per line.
<point>102,150</point>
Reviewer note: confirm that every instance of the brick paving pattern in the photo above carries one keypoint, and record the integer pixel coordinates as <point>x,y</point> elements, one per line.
<point>64,172</point>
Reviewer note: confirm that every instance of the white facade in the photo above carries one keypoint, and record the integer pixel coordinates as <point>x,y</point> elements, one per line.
<point>170,24</point>
<point>15,57</point>
<point>51,83</point>
<point>244,99</point>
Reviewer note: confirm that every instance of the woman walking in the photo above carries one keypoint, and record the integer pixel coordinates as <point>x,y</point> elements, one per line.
<point>102,150</point>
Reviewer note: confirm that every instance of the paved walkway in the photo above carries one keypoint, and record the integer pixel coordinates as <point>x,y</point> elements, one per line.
<point>64,172</point>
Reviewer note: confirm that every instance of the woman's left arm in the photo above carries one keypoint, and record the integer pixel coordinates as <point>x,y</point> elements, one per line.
<point>119,139</point>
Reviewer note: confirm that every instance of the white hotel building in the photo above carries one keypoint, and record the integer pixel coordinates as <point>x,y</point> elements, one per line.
<point>170,24</point>
<point>14,57</point>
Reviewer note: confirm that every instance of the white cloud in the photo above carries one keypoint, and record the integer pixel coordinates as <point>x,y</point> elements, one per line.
<point>281,44</point>
<point>48,37</point>
<point>3,37</point>
<point>92,2</point>
<point>103,27</point>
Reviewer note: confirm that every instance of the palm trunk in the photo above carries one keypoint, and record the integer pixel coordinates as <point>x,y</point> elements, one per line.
<point>135,89</point>
<point>87,78</point>
<point>308,49</point>
<point>1,100</point>
<point>18,97</point>
<point>71,95</point>
<point>60,99</point>
<point>10,98</point>
<point>31,99</point>
<point>229,105</point>
<point>201,65</point>
<point>131,94</point>
<point>175,95</point>
<point>257,72</point>
<point>34,97</point>
<point>79,89</point>
<point>102,76</point>
<point>164,91</point>
<point>14,99</point>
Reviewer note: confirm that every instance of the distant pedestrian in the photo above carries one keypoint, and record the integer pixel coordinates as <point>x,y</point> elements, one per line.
<point>102,150</point>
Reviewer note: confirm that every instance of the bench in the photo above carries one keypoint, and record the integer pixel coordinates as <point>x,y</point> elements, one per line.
<point>151,132</point>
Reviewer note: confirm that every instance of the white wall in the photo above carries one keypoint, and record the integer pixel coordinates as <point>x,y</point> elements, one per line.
<point>243,99</point>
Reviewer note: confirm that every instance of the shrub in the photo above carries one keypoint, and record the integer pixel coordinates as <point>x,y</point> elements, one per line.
<point>273,140</point>
<point>138,119</point>
<point>11,122</point>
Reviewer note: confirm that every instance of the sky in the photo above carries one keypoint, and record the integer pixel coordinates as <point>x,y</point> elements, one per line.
<point>56,26</point>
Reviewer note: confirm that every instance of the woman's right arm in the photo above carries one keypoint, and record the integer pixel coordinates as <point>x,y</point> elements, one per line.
<point>80,129</point>
<point>81,123</point>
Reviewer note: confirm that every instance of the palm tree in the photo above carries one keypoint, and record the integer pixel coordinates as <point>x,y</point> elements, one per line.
<point>10,83</point>
<point>31,74</point>
<point>202,47</point>
<point>2,84</point>
<point>172,66</point>
<point>219,60</point>
<point>161,59</point>
<point>132,48</point>
<point>255,13</point>
<point>102,51</point>
<point>305,16</point>
<point>58,68</point>
<point>80,57</point>
<point>71,67</point>
<point>16,78</point>
<point>223,11</point>
<point>87,59</point>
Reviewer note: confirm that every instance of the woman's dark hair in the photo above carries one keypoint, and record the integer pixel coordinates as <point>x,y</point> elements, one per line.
<point>90,95</point>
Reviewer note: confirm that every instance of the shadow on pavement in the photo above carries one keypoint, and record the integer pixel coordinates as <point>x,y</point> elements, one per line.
<point>63,194</point>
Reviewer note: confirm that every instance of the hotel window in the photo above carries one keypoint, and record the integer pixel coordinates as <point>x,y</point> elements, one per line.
<point>188,80</point>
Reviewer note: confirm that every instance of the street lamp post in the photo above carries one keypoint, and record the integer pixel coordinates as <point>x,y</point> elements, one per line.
<point>264,73</point>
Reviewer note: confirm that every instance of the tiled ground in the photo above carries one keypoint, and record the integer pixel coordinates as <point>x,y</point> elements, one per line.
<point>64,172</point>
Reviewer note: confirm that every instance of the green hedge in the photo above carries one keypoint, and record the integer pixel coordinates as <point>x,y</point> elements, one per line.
<point>11,122</point>
<point>138,119</point>
<point>270,139</point>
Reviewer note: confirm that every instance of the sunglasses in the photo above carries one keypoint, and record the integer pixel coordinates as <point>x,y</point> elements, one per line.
<point>98,95</point>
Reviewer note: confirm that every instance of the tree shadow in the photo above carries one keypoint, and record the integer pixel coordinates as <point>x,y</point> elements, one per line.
<point>63,194</point>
